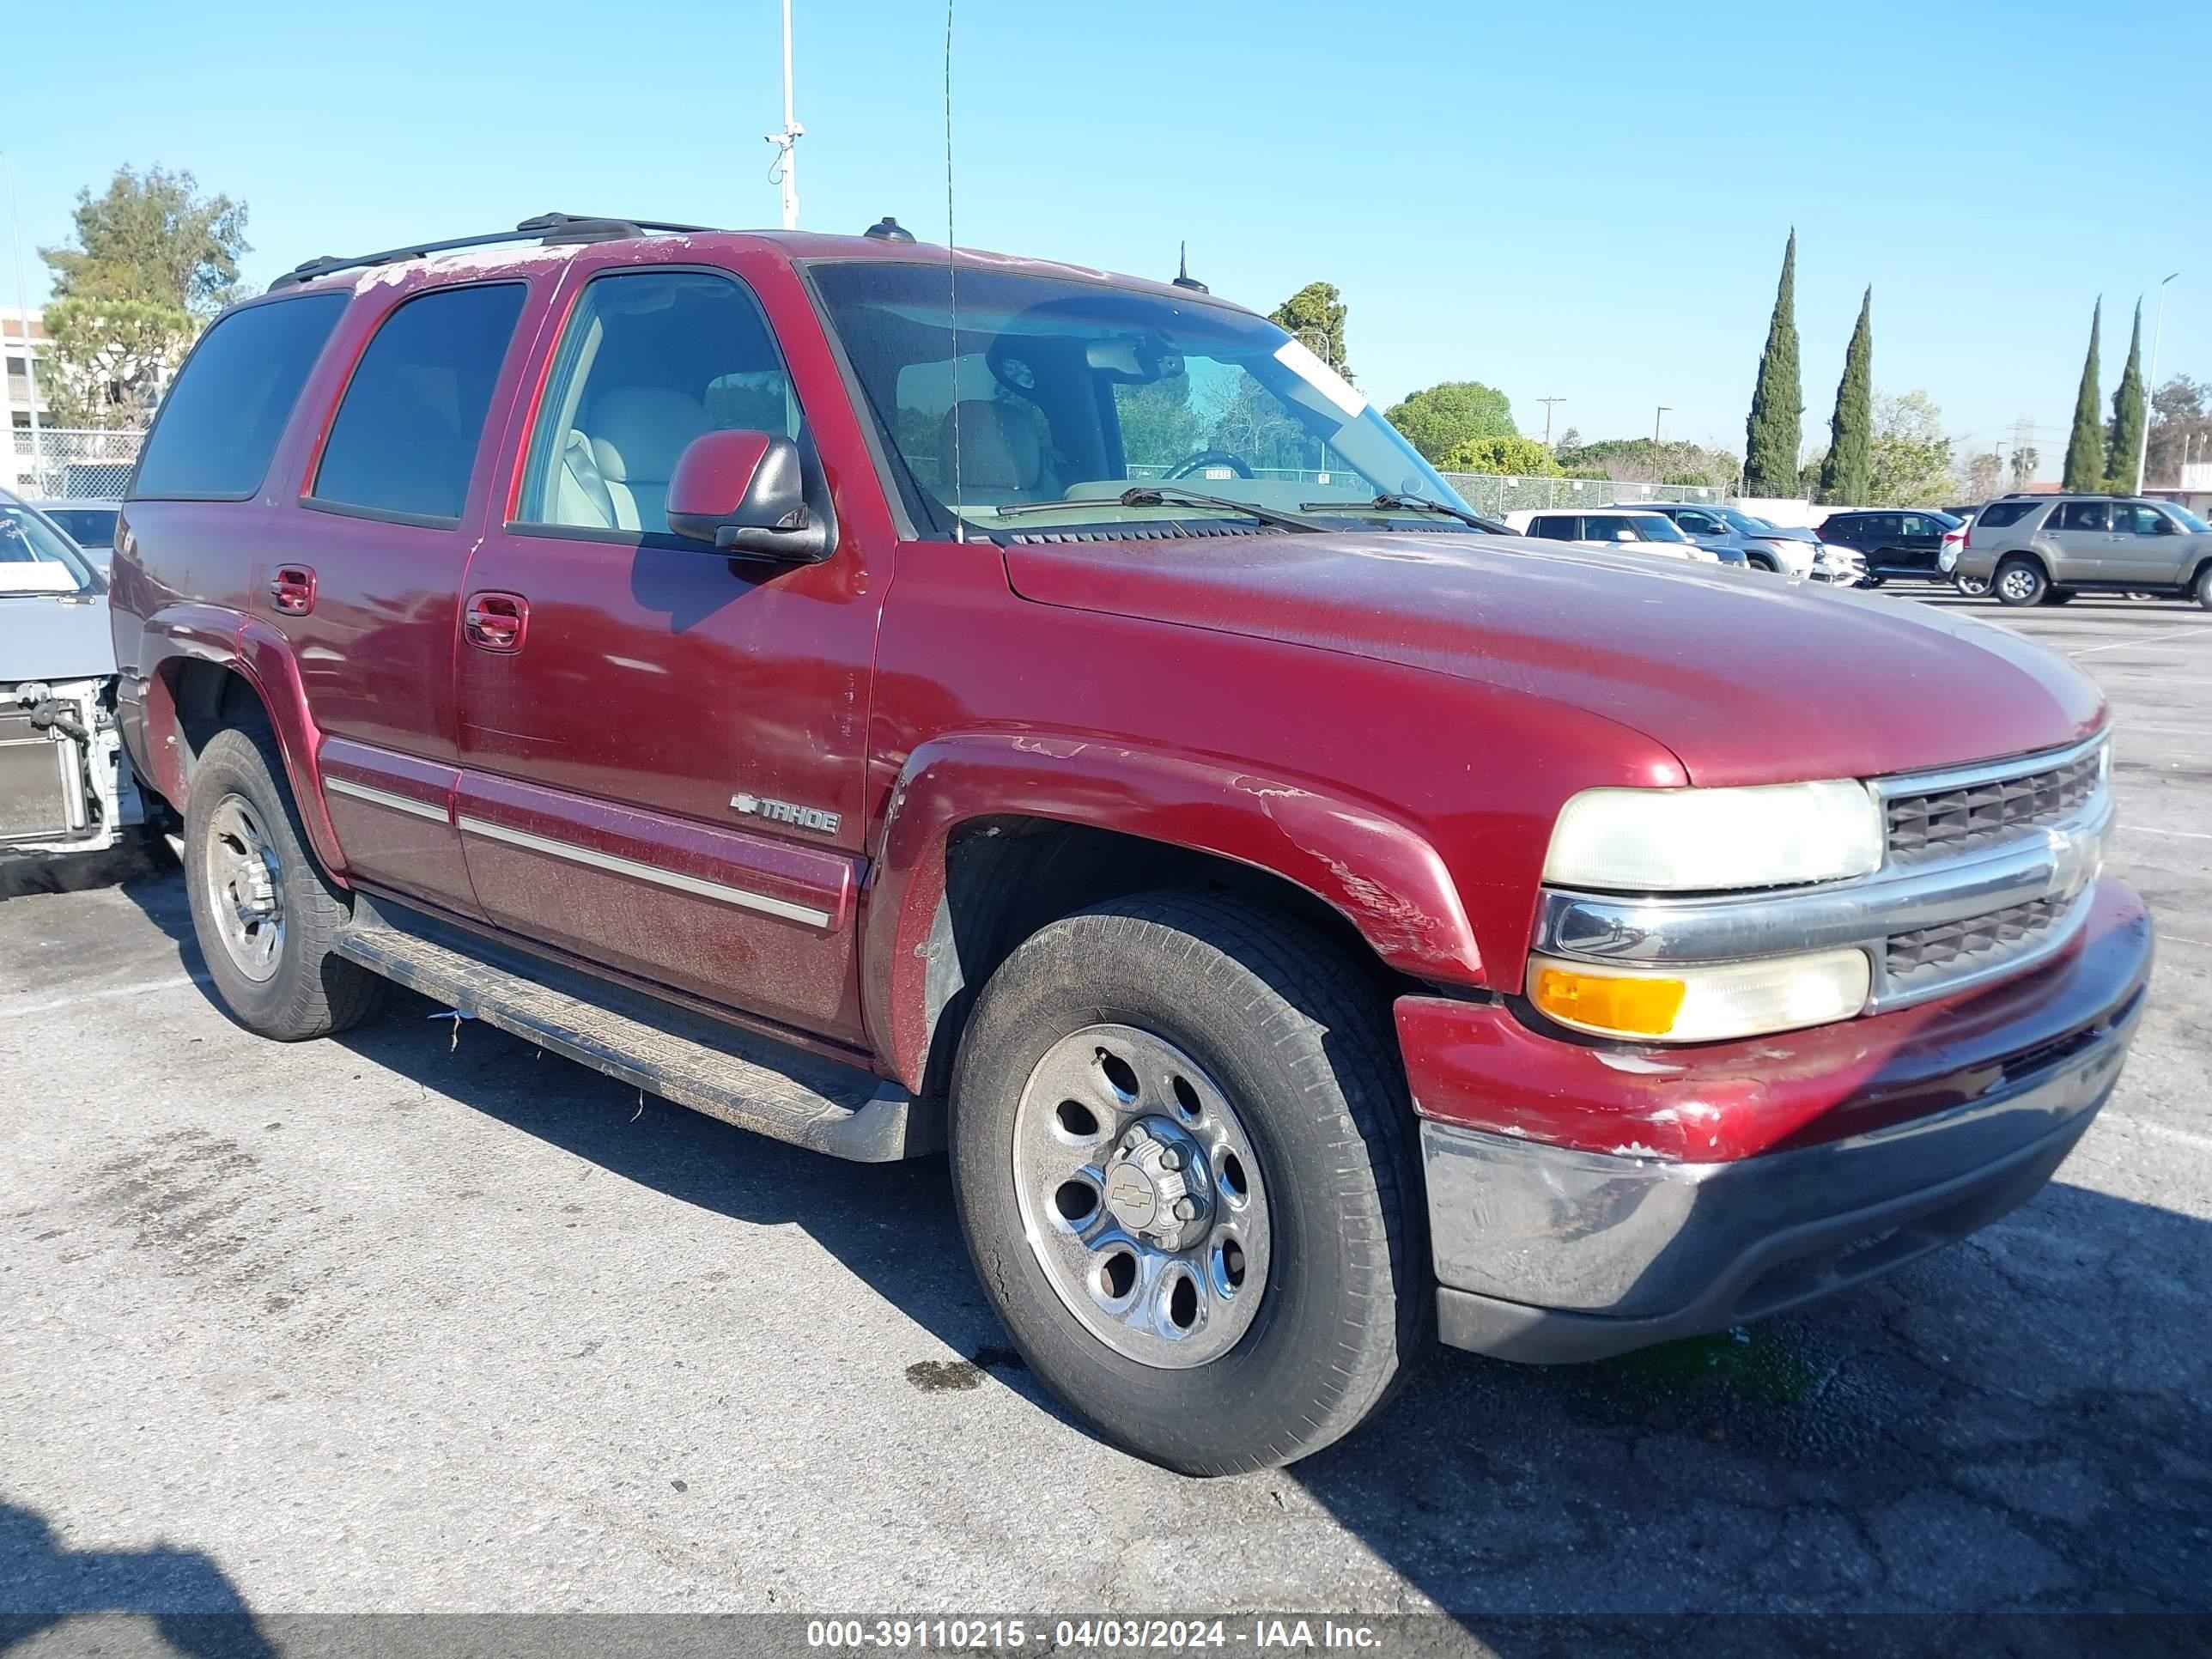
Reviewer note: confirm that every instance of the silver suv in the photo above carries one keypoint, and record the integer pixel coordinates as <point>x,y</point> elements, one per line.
<point>2043,550</point>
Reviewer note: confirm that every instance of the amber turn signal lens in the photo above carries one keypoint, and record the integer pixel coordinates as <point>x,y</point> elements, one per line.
<point>1608,1001</point>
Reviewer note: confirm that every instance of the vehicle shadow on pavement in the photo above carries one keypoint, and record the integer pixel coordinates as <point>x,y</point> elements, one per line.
<point>2019,1421</point>
<point>192,1602</point>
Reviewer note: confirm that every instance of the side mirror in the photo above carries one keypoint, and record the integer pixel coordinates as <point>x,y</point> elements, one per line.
<point>745,494</point>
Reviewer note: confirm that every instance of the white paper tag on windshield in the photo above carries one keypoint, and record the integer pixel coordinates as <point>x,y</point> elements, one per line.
<point>1295,355</point>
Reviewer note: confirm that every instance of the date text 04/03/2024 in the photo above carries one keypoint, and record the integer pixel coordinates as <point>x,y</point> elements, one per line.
<point>1096,1634</point>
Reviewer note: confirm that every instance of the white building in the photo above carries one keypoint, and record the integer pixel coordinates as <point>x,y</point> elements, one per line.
<point>24,350</point>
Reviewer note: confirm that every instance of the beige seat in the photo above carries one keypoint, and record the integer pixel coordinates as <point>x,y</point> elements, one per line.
<point>1002,453</point>
<point>637,435</point>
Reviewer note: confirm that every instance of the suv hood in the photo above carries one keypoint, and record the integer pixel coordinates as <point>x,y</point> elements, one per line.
<point>1747,678</point>
<point>44,637</point>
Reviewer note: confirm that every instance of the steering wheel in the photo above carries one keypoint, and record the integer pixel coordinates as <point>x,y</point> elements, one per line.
<point>1190,464</point>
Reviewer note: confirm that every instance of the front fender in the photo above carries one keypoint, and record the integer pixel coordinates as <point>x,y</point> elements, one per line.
<point>1379,872</point>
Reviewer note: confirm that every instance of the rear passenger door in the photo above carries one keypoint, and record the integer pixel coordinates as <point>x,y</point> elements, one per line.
<point>662,746</point>
<point>2080,534</point>
<point>364,581</point>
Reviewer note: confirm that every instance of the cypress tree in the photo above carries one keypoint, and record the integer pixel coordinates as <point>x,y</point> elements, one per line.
<point>1771,437</point>
<point>1844,472</point>
<point>2085,449</point>
<point>2123,440</point>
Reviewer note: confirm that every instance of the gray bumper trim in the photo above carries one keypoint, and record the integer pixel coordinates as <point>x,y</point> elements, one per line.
<point>1548,1255</point>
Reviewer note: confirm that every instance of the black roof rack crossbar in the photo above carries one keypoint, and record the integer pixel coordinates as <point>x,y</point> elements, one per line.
<point>551,228</point>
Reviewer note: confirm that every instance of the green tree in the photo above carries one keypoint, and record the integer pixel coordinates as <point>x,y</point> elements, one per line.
<point>1843,470</point>
<point>2085,446</point>
<point>2180,427</point>
<point>2123,438</point>
<point>2026,458</point>
<point>153,238</point>
<point>107,359</point>
<point>1437,419</point>
<point>1909,458</point>
<point>1158,426</point>
<point>1315,315</point>
<point>1511,457</point>
<point>1773,434</point>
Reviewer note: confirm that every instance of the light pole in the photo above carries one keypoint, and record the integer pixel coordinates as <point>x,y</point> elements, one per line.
<point>1656,419</point>
<point>786,171</point>
<point>1547,403</point>
<point>2150,386</point>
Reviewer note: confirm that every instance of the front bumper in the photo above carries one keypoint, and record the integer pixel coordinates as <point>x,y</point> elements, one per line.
<point>1585,1199</point>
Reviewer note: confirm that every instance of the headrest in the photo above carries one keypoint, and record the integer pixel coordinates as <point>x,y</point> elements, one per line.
<point>999,448</point>
<point>639,430</point>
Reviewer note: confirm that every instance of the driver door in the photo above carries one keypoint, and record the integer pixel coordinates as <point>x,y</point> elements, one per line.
<point>2147,546</point>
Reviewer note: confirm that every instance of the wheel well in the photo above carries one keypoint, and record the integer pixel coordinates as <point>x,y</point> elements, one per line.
<point>2022,556</point>
<point>2197,574</point>
<point>208,697</point>
<point>1006,877</point>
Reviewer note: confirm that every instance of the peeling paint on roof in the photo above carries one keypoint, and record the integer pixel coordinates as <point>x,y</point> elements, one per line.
<point>503,257</point>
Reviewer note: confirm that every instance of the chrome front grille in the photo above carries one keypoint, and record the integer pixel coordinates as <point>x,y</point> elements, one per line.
<point>1978,943</point>
<point>1949,823</point>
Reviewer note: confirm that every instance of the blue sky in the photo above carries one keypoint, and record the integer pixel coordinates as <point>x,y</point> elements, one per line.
<point>1587,202</point>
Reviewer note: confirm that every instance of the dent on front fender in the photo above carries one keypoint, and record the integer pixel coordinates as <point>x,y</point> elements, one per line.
<point>1380,873</point>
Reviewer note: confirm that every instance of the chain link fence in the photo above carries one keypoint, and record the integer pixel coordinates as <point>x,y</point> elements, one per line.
<point>1496,496</point>
<point>65,464</point>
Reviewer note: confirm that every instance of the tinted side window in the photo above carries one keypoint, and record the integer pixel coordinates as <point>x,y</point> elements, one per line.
<point>221,420</point>
<point>407,430</point>
<point>1697,523</point>
<point>2078,516</point>
<point>1997,514</point>
<point>1607,527</point>
<point>2136,520</point>
<point>1552,527</point>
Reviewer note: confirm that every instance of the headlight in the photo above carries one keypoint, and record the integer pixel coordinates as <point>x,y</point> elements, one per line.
<point>1703,1005</point>
<point>1690,840</point>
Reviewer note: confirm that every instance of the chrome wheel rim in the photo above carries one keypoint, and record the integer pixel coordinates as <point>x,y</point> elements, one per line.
<point>2018,584</point>
<point>1140,1196</point>
<point>245,888</point>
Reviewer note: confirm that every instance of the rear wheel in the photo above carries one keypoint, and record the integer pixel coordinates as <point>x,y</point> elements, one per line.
<point>1972,586</point>
<point>2019,582</point>
<point>263,909</point>
<point>1182,1157</point>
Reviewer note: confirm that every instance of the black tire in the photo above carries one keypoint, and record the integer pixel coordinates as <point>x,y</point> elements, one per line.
<point>1870,583</point>
<point>2060,595</point>
<point>307,991</point>
<point>2204,589</point>
<point>1276,1014</point>
<point>1762,562</point>
<point>2020,583</point>
<point>1972,587</point>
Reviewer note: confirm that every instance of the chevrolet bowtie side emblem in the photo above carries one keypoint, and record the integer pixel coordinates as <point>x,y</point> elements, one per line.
<point>783,812</point>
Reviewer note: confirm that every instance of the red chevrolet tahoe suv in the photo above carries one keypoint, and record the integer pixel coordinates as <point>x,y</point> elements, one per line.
<point>893,699</point>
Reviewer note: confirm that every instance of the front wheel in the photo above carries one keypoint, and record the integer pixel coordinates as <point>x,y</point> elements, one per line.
<point>2204,589</point>
<point>1182,1157</point>
<point>2021,583</point>
<point>1972,586</point>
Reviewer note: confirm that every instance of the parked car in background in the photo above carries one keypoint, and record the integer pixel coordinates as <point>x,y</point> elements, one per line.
<point>1622,529</point>
<point>65,786</point>
<point>722,663</point>
<point>1765,545</point>
<point>2043,550</point>
<point>90,524</point>
<point>1901,543</point>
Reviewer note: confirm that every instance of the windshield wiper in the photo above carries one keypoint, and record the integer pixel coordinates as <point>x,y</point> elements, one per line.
<point>1166,495</point>
<point>1388,503</point>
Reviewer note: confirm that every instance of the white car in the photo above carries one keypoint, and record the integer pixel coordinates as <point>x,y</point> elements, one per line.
<point>1622,529</point>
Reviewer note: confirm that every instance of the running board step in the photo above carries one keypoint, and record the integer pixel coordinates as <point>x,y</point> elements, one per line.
<point>727,1073</point>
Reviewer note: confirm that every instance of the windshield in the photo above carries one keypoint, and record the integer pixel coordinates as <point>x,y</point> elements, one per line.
<point>1739,520</point>
<point>1045,389</point>
<point>35,557</point>
<point>2190,522</point>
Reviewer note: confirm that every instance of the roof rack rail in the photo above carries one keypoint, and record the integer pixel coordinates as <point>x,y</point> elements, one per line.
<point>550,228</point>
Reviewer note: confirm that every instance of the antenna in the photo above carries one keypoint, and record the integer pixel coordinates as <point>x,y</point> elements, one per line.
<point>952,284</point>
<point>786,170</point>
<point>1183,277</point>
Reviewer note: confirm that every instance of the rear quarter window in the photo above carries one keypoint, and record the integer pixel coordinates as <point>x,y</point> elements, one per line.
<point>221,420</point>
<point>1998,514</point>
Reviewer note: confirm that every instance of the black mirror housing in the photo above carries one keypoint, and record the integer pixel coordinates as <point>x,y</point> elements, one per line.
<point>746,494</point>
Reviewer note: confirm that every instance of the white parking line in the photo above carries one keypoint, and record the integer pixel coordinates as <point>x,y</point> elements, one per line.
<point>2152,829</point>
<point>2141,638</point>
<point>145,988</point>
<point>2161,1132</point>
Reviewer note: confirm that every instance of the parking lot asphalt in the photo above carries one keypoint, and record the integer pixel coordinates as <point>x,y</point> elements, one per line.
<point>418,1319</point>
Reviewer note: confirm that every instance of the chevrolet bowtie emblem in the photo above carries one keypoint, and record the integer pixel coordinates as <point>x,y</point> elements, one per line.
<point>783,812</point>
